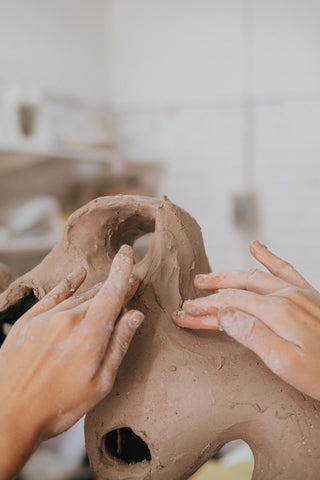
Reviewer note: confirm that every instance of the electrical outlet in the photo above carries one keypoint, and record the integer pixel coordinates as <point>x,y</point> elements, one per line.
<point>245,210</point>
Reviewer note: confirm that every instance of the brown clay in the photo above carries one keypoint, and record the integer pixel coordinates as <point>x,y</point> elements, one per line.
<point>179,395</point>
<point>6,277</point>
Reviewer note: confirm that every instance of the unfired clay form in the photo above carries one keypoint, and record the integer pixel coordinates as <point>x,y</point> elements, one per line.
<point>179,395</point>
<point>5,277</point>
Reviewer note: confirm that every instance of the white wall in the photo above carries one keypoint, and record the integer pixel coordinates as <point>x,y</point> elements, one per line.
<point>286,47</point>
<point>58,45</point>
<point>149,52</point>
<point>178,73</point>
<point>173,51</point>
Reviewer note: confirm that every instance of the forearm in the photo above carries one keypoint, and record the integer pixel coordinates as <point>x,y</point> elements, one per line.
<point>18,438</point>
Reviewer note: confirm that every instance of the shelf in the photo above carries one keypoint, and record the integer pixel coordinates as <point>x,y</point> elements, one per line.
<point>13,159</point>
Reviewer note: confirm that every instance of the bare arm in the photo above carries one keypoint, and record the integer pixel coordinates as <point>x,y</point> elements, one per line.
<point>60,359</point>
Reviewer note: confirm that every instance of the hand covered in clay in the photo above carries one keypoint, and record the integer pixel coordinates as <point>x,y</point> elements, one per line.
<point>61,358</point>
<point>276,314</point>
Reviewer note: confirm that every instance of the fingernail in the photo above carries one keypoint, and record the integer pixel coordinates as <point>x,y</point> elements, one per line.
<point>126,250</point>
<point>136,319</point>
<point>178,315</point>
<point>191,308</point>
<point>79,272</point>
<point>200,278</point>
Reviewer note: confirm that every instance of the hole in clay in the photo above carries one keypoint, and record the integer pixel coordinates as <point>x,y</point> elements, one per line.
<point>141,246</point>
<point>9,316</point>
<point>234,456</point>
<point>136,231</point>
<point>125,445</point>
<point>6,327</point>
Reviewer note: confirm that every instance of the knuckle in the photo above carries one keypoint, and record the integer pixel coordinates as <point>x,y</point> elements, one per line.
<point>288,267</point>
<point>284,306</point>
<point>122,345</point>
<point>254,274</point>
<point>66,285</point>
<point>66,317</point>
<point>277,364</point>
<point>291,293</point>
<point>249,330</point>
<point>294,292</point>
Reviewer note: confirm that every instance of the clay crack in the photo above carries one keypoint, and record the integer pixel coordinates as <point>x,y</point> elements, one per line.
<point>256,406</point>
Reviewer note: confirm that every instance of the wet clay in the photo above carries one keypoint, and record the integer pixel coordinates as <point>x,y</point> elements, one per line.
<point>179,395</point>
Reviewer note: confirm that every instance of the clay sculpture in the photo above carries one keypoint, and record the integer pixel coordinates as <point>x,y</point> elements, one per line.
<point>179,395</point>
<point>6,277</point>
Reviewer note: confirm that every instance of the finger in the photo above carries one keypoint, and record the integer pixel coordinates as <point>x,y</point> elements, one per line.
<point>253,280</point>
<point>276,352</point>
<point>280,314</point>
<point>200,322</point>
<point>72,302</point>
<point>78,312</point>
<point>89,294</point>
<point>118,346</point>
<point>134,283</point>
<point>77,300</point>
<point>278,267</point>
<point>307,299</point>
<point>106,305</point>
<point>211,304</point>
<point>81,307</point>
<point>61,292</point>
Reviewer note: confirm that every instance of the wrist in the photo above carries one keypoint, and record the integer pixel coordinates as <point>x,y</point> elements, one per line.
<point>19,436</point>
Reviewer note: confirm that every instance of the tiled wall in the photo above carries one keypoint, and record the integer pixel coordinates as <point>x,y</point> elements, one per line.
<point>203,151</point>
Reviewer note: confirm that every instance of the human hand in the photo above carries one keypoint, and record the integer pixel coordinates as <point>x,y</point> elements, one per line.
<point>62,356</point>
<point>276,315</point>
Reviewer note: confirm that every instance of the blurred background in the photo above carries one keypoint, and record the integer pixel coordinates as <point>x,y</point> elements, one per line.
<point>214,103</point>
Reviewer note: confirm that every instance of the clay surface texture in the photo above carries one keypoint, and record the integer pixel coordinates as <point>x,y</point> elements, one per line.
<point>179,395</point>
